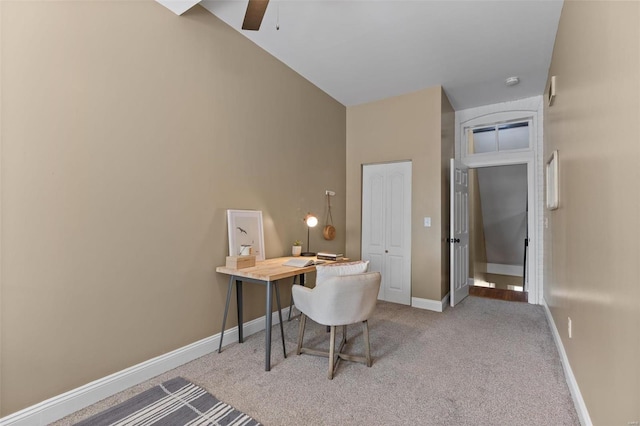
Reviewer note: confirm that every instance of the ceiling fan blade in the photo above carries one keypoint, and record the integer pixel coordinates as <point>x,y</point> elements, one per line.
<point>255,13</point>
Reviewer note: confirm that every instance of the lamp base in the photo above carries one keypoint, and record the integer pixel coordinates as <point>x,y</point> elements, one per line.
<point>307,254</point>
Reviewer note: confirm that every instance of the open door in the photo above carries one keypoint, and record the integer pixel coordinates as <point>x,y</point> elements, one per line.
<point>459,232</point>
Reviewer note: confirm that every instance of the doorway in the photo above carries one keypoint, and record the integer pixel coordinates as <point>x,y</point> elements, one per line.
<point>502,135</point>
<point>498,232</point>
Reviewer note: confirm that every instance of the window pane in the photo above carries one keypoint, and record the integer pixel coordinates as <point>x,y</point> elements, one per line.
<point>484,140</point>
<point>513,136</point>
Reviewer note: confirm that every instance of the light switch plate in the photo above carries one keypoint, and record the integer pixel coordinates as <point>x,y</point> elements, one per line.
<point>427,222</point>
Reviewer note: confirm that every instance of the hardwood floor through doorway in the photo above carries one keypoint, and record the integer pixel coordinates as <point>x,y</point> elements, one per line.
<point>498,293</point>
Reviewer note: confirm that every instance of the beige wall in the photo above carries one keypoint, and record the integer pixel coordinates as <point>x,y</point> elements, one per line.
<point>477,246</point>
<point>127,131</point>
<point>592,253</point>
<point>406,127</point>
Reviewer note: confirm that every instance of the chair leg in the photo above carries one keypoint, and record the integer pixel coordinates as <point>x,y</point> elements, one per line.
<point>332,349</point>
<point>344,334</point>
<point>365,333</point>
<point>303,320</point>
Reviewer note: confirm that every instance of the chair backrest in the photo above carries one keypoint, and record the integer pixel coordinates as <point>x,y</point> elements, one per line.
<point>346,299</point>
<point>324,272</point>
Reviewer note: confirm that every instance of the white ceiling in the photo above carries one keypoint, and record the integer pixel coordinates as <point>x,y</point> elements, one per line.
<point>365,50</point>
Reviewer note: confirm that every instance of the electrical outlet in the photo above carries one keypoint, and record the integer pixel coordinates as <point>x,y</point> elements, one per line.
<point>569,326</point>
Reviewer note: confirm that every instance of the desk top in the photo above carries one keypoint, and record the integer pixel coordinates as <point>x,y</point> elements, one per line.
<point>269,269</point>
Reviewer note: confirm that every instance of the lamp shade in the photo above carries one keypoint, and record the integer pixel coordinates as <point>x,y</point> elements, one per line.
<point>310,220</point>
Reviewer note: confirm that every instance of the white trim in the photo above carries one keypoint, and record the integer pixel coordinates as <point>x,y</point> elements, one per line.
<point>578,401</point>
<point>76,399</point>
<point>529,108</point>
<point>502,269</point>
<point>430,305</point>
<point>500,159</point>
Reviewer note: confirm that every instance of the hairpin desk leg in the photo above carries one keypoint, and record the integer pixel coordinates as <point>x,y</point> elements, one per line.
<point>284,349</point>
<point>226,311</point>
<point>239,303</point>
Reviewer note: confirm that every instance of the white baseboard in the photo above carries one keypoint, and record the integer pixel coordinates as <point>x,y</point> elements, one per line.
<point>62,405</point>
<point>578,401</point>
<point>431,305</point>
<point>500,269</point>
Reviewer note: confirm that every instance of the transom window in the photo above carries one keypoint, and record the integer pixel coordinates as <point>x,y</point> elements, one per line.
<point>498,138</point>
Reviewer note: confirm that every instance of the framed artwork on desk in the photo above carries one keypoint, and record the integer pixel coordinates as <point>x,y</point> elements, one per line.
<point>246,235</point>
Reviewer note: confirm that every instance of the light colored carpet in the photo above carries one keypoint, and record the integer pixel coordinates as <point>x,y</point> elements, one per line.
<point>484,362</point>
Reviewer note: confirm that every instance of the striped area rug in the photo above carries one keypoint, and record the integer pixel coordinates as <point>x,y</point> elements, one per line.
<point>176,402</point>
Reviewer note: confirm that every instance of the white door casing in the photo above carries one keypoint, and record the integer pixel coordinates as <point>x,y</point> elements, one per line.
<point>386,227</point>
<point>523,109</point>
<point>459,232</point>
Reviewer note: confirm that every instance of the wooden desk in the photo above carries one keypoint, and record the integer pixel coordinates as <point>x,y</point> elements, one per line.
<point>266,272</point>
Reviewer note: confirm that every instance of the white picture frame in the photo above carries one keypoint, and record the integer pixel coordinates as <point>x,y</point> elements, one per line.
<point>553,198</point>
<point>245,228</point>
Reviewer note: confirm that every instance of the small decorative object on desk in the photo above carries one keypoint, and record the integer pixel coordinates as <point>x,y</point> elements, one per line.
<point>246,250</point>
<point>296,249</point>
<point>240,262</point>
<point>330,256</point>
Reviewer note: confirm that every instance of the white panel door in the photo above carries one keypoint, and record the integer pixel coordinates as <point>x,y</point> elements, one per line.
<point>386,227</point>
<point>459,233</point>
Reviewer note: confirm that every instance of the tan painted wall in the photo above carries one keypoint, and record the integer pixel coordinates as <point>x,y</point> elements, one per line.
<point>592,253</point>
<point>406,127</point>
<point>477,246</point>
<point>127,131</point>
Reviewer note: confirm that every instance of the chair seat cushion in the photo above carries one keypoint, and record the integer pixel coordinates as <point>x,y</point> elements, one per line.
<point>324,272</point>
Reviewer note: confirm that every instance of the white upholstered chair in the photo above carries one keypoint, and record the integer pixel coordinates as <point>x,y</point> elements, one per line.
<point>338,301</point>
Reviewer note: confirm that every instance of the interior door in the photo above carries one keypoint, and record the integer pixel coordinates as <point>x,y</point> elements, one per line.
<point>386,227</point>
<point>459,233</point>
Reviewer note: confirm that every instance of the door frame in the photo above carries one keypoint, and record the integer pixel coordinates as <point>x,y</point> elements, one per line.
<point>531,110</point>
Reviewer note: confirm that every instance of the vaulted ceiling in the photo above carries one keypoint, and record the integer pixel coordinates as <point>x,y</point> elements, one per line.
<point>364,50</point>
